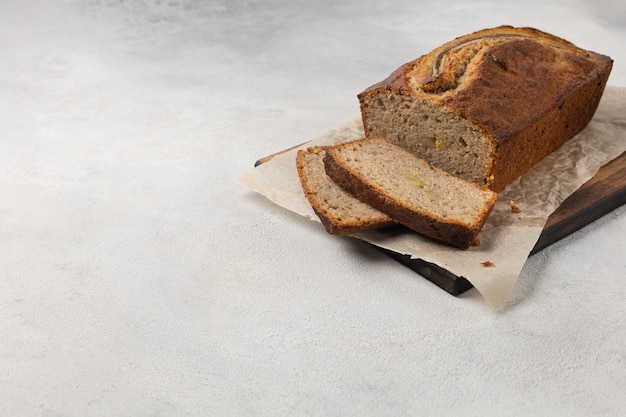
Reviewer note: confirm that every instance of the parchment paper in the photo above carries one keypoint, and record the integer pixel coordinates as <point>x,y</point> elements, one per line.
<point>507,238</point>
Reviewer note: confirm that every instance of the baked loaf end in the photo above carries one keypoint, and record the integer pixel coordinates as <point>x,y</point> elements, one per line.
<point>489,105</point>
<point>339,211</point>
<point>426,199</point>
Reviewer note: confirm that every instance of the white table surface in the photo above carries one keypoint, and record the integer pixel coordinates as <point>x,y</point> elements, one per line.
<point>137,279</point>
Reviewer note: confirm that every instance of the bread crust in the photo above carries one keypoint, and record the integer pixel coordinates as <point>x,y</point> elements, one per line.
<point>525,90</point>
<point>331,222</point>
<point>446,230</point>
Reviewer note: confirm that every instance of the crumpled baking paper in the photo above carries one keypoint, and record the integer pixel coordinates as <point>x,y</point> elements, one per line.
<point>507,238</point>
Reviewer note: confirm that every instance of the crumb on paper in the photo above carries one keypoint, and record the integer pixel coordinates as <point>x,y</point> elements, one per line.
<point>475,242</point>
<point>488,264</point>
<point>514,207</point>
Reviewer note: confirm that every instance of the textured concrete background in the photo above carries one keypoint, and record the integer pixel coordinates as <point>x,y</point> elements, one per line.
<point>136,279</point>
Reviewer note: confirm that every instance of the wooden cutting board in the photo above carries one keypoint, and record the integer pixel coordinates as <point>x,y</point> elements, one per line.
<point>600,195</point>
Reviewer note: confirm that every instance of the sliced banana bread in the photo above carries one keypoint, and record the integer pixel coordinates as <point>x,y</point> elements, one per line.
<point>424,198</point>
<point>338,210</point>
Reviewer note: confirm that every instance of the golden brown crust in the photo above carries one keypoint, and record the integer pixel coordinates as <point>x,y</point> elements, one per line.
<point>330,221</point>
<point>449,231</point>
<point>526,90</point>
<point>524,148</point>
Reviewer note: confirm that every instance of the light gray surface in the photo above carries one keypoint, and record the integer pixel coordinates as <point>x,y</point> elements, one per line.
<point>137,279</point>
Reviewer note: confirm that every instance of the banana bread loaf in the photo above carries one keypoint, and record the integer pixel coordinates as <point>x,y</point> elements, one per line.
<point>426,199</point>
<point>339,211</point>
<point>489,105</point>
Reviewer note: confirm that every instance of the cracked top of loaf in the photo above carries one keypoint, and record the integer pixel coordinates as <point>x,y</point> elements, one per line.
<point>502,79</point>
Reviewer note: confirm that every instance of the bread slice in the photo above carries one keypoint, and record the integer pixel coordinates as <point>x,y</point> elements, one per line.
<point>340,212</point>
<point>425,199</point>
<point>489,105</point>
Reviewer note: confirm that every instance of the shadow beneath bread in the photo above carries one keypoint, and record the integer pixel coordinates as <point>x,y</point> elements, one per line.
<point>439,276</point>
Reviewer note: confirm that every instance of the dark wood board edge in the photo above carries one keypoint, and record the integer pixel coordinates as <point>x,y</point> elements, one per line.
<point>602,194</point>
<point>267,158</point>
<point>439,276</point>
